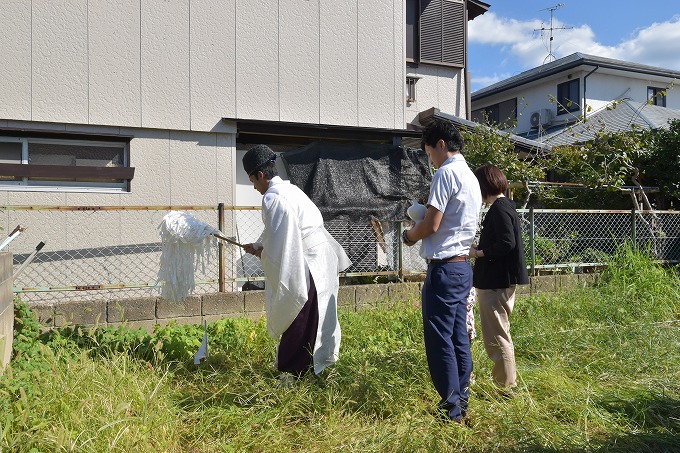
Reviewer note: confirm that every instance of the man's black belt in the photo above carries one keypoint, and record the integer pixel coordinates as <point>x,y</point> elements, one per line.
<point>453,259</point>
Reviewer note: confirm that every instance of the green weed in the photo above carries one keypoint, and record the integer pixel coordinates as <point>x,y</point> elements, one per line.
<point>598,370</point>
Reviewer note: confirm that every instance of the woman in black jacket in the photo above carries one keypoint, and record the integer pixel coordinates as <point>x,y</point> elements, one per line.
<point>499,267</point>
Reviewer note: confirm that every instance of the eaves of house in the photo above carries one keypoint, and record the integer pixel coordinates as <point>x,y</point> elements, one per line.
<point>568,63</point>
<point>476,8</point>
<point>256,131</point>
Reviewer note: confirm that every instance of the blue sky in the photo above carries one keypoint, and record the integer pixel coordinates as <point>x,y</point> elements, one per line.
<point>503,43</point>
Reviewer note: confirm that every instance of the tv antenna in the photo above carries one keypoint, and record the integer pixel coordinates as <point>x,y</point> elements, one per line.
<point>550,57</point>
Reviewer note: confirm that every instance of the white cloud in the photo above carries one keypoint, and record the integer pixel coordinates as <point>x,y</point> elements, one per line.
<point>654,45</point>
<point>484,81</point>
<point>491,29</point>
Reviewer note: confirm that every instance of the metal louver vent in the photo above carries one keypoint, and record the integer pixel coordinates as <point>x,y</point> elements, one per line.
<point>453,42</point>
<point>431,30</point>
<point>442,32</point>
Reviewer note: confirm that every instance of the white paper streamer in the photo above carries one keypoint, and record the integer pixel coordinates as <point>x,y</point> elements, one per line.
<point>202,352</point>
<point>185,245</point>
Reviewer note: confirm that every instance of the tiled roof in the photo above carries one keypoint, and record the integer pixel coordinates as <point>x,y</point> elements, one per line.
<point>520,142</point>
<point>616,117</point>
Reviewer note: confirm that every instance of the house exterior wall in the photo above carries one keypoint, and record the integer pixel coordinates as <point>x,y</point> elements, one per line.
<point>166,73</point>
<point>602,88</point>
<point>438,86</point>
<point>540,95</point>
<point>171,168</point>
<point>185,64</point>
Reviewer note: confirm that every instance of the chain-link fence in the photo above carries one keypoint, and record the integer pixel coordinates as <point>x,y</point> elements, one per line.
<point>107,252</point>
<point>581,238</point>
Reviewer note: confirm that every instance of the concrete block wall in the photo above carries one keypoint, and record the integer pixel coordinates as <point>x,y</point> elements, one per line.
<point>146,312</point>
<point>6,309</point>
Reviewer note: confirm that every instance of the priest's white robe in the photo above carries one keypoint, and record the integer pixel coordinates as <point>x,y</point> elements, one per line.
<point>295,244</point>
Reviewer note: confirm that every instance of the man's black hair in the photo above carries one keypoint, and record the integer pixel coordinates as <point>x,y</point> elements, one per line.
<point>269,169</point>
<point>442,130</point>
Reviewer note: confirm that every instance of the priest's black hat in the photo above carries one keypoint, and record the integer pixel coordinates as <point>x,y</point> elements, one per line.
<point>257,157</point>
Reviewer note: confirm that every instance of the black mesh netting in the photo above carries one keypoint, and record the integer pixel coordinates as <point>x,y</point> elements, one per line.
<point>359,180</point>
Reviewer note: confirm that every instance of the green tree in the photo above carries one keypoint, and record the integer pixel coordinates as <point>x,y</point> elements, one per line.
<point>611,161</point>
<point>489,145</point>
<point>638,158</point>
<point>662,164</point>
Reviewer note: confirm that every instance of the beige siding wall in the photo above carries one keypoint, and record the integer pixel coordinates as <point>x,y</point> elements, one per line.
<point>377,64</point>
<point>59,61</point>
<point>299,62</point>
<point>184,64</point>
<point>171,168</point>
<point>338,87</point>
<point>114,63</point>
<point>165,82</point>
<point>213,66</point>
<point>15,60</point>
<point>440,87</point>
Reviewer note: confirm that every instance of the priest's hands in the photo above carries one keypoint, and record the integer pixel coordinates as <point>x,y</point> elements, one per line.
<point>253,249</point>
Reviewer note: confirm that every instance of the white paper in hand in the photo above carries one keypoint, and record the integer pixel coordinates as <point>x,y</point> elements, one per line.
<point>416,211</point>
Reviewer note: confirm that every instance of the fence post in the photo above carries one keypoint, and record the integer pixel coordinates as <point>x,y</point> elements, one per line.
<point>400,246</point>
<point>220,259</point>
<point>532,242</point>
<point>633,228</point>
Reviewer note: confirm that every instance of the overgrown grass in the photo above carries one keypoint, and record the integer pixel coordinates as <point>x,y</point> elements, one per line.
<point>599,370</point>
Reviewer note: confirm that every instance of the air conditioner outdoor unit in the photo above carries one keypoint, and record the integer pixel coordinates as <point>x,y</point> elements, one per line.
<point>541,117</point>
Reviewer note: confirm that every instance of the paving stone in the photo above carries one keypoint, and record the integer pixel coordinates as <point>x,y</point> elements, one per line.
<point>567,281</point>
<point>254,315</point>
<point>523,290</point>
<point>587,279</point>
<point>147,325</point>
<point>181,321</point>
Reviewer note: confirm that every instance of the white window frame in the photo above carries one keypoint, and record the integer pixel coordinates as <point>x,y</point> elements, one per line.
<point>65,186</point>
<point>13,185</point>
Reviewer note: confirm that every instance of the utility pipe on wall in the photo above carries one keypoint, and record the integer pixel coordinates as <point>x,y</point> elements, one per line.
<point>584,91</point>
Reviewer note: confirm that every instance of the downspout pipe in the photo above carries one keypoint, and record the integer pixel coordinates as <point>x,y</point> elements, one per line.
<point>584,91</point>
<point>466,75</point>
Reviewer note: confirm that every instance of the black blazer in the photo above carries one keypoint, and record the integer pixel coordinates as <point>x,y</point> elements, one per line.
<point>503,263</point>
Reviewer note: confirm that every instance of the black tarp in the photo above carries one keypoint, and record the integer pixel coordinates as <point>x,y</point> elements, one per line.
<point>360,180</point>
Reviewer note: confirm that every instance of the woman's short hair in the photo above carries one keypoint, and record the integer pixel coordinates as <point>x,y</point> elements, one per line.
<point>491,179</point>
